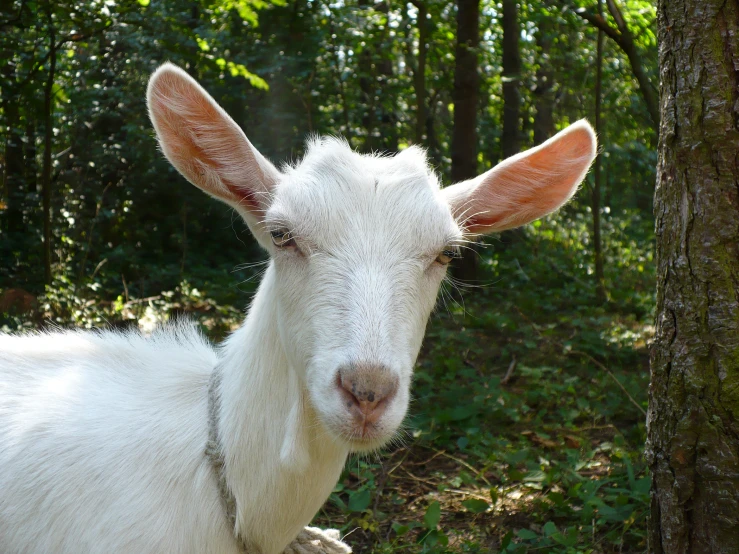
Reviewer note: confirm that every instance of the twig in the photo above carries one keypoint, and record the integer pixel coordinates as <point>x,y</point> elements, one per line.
<point>140,300</point>
<point>470,494</point>
<point>465,464</point>
<point>97,268</point>
<point>98,206</point>
<point>609,372</point>
<point>438,453</point>
<point>125,287</point>
<point>509,372</point>
<point>385,476</point>
<point>396,466</point>
<point>426,482</point>
<point>597,427</point>
<point>349,533</point>
<point>584,354</point>
<point>520,269</point>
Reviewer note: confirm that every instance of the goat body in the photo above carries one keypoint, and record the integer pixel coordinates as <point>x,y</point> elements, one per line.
<point>103,435</point>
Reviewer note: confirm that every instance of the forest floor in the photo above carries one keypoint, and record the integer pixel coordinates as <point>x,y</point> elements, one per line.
<point>527,424</point>
<point>527,427</point>
<point>524,436</point>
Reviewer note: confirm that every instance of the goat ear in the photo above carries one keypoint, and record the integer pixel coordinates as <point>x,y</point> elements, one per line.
<point>206,146</point>
<point>526,186</point>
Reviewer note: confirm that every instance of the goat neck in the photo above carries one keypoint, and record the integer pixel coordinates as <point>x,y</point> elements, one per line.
<point>280,463</point>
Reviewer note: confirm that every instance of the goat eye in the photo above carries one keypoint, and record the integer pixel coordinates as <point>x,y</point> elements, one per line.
<point>282,238</point>
<point>447,256</point>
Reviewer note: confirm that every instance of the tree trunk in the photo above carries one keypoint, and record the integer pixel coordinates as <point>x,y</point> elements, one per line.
<point>376,73</point>
<point>693,420</point>
<point>432,140</point>
<point>600,287</point>
<point>419,76</point>
<point>510,142</point>
<point>13,154</point>
<point>465,93</point>
<point>465,98</point>
<point>48,136</point>
<point>543,93</point>
<point>30,168</point>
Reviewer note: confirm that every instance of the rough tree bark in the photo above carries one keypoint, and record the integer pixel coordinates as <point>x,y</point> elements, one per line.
<point>693,420</point>
<point>465,98</point>
<point>510,142</point>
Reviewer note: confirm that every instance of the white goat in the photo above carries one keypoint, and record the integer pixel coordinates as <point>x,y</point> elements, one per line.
<point>103,434</point>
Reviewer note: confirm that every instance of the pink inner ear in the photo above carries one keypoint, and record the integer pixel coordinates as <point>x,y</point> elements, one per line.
<point>201,141</point>
<point>531,184</point>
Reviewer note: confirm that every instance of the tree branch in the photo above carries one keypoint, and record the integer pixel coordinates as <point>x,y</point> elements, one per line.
<point>617,15</point>
<point>625,40</point>
<point>76,37</point>
<point>600,23</point>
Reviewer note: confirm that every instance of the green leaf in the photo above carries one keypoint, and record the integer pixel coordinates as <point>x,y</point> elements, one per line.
<point>433,515</point>
<point>336,499</point>
<point>557,498</point>
<point>476,506</point>
<point>642,485</point>
<point>237,69</point>
<point>144,2</point>
<point>526,534</point>
<point>359,501</point>
<point>202,44</point>
<point>516,475</point>
<point>549,528</point>
<point>400,529</point>
<point>432,538</point>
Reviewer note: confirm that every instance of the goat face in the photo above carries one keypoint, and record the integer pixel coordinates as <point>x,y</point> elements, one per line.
<point>359,248</point>
<point>358,243</point>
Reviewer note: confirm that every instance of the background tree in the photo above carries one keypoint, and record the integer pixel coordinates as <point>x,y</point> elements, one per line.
<point>465,97</point>
<point>597,169</point>
<point>511,76</point>
<point>692,449</point>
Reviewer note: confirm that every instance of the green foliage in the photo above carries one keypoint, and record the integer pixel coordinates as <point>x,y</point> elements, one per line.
<point>345,68</point>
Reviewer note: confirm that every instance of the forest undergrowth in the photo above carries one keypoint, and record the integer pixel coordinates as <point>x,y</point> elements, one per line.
<point>527,423</point>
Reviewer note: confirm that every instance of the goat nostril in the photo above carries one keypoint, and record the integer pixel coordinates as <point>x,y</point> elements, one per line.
<point>347,388</point>
<point>366,392</point>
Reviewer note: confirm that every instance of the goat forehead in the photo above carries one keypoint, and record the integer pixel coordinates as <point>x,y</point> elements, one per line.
<point>336,191</point>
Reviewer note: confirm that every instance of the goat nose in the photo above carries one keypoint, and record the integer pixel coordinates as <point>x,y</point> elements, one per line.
<point>367,390</point>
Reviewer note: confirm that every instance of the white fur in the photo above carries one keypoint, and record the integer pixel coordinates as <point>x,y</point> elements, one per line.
<point>102,435</point>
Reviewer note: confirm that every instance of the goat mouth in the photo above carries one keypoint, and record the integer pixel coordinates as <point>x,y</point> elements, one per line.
<point>364,438</point>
